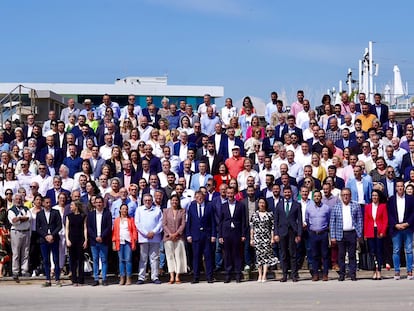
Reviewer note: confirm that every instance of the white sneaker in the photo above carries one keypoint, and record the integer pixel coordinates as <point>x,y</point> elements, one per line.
<point>34,274</point>
<point>397,276</point>
<point>246,267</point>
<point>410,277</point>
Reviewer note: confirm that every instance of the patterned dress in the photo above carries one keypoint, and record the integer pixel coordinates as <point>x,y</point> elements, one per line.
<point>262,225</point>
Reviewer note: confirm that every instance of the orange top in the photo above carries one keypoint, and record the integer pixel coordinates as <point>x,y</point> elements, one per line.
<point>132,231</point>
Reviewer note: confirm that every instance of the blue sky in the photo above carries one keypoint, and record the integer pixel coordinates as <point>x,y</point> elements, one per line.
<point>249,47</point>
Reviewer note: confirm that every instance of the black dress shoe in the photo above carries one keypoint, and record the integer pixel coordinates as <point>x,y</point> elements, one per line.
<point>105,283</point>
<point>238,280</point>
<point>96,283</point>
<point>341,278</point>
<point>283,280</point>
<point>353,278</point>
<point>195,281</point>
<point>227,280</point>
<point>295,279</point>
<point>210,281</point>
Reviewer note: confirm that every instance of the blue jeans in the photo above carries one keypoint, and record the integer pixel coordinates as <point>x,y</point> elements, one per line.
<point>125,259</point>
<point>99,251</point>
<point>163,260</point>
<point>401,236</point>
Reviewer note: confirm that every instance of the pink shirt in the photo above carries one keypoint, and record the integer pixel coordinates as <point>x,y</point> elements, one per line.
<point>295,108</point>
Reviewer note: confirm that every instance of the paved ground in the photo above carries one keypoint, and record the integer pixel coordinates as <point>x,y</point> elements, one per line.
<point>364,294</point>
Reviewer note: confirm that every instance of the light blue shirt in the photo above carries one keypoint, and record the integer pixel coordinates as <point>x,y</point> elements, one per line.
<point>147,220</point>
<point>208,125</point>
<point>116,205</point>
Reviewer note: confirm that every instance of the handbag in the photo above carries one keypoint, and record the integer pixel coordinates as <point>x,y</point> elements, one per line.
<point>87,263</point>
<point>366,261</point>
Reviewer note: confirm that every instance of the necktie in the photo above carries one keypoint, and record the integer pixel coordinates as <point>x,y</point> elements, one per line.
<point>199,211</point>
<point>287,208</point>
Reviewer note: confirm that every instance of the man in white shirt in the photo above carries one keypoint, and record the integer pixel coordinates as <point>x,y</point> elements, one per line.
<point>106,150</point>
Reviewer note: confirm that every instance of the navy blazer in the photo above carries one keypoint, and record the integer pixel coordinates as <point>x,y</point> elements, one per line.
<point>292,221</point>
<point>56,139</point>
<point>384,112</point>
<point>51,194</point>
<point>58,157</point>
<point>197,226</point>
<point>387,126</point>
<point>196,139</point>
<point>134,178</point>
<point>267,147</point>
<point>271,204</point>
<point>406,165</point>
<point>237,142</point>
<point>106,227</point>
<point>238,220</point>
<point>223,142</point>
<point>43,228</point>
<point>297,130</point>
<point>177,147</point>
<point>278,135</point>
<point>393,214</point>
<point>154,124</point>
<point>340,143</point>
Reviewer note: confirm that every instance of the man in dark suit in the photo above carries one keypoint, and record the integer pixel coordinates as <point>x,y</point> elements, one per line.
<point>85,134</point>
<point>113,131</point>
<point>196,137</point>
<point>82,129</point>
<point>127,176</point>
<point>394,125</point>
<point>48,225</point>
<point>28,128</point>
<point>389,182</point>
<point>410,119</point>
<point>99,235</point>
<point>181,148</point>
<point>57,188</point>
<point>401,222</point>
<point>96,162</point>
<point>152,115</point>
<point>51,148</point>
<point>60,136</point>
<point>232,234</point>
<point>379,109</point>
<point>219,138</point>
<point>408,161</point>
<point>339,182</point>
<point>269,140</point>
<point>292,128</point>
<point>213,159</point>
<point>280,129</point>
<point>287,231</point>
<point>232,141</point>
<point>250,205</point>
<point>346,140</point>
<point>201,234</point>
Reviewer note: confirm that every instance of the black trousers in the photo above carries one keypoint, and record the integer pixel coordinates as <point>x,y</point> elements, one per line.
<point>347,244</point>
<point>288,250</point>
<point>233,258</point>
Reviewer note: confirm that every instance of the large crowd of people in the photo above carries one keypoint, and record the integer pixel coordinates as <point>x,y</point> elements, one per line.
<point>176,189</point>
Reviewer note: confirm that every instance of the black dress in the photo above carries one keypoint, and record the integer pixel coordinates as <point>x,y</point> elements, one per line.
<point>76,251</point>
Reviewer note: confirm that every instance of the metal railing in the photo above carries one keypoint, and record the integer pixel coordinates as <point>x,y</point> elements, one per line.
<point>8,102</point>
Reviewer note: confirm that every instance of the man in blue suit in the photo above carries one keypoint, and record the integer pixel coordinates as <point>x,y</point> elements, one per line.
<point>48,227</point>
<point>51,148</point>
<point>200,179</point>
<point>99,234</point>
<point>352,184</point>
<point>346,140</point>
<point>287,231</point>
<point>401,222</point>
<point>292,128</point>
<point>96,162</point>
<point>346,227</point>
<point>201,234</point>
<point>379,109</point>
<point>232,234</point>
<point>57,188</point>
